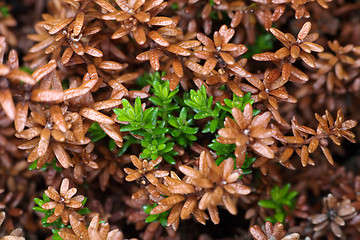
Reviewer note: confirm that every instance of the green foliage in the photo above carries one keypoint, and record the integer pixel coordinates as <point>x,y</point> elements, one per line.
<point>152,123</point>
<point>200,103</point>
<point>224,151</point>
<point>57,224</point>
<point>182,132</point>
<point>174,6</point>
<point>162,217</point>
<point>146,78</point>
<point>65,84</point>
<point>24,68</point>
<point>96,133</point>
<point>128,140</point>
<point>33,166</point>
<point>238,102</point>
<point>4,10</point>
<point>279,198</point>
<point>172,119</point>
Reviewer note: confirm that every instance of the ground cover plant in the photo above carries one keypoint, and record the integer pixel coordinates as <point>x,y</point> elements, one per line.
<point>179,119</point>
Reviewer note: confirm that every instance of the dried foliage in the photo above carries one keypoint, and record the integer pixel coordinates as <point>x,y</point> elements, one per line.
<point>159,112</point>
<point>334,216</point>
<point>16,234</point>
<point>272,232</point>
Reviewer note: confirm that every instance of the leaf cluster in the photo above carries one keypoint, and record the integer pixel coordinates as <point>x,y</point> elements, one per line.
<point>279,198</point>
<point>57,224</point>
<point>172,119</point>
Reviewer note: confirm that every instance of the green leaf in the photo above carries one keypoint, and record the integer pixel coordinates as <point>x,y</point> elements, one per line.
<point>55,234</point>
<point>32,166</point>
<point>39,209</point>
<point>151,218</point>
<point>175,133</point>
<point>256,112</point>
<point>213,125</point>
<point>150,115</point>
<point>284,191</point>
<point>169,159</point>
<point>270,219</point>
<point>163,221</point>
<point>183,114</point>
<point>38,201</point>
<point>267,204</point>
<point>83,202</point>
<point>156,101</point>
<point>147,208</point>
<point>191,138</point>
<point>160,131</point>
<point>219,160</point>
<point>174,6</point>
<point>201,115</point>
<point>291,194</point>
<point>4,11</point>
<point>275,193</point>
<point>46,198</point>
<point>129,127</point>
<point>137,107</point>
<point>112,144</point>
<point>84,211</point>
<point>168,148</point>
<point>173,121</point>
<point>189,130</point>
<point>279,217</point>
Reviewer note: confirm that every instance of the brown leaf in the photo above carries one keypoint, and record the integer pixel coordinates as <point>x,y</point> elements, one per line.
<point>174,214</point>
<point>61,154</point>
<point>79,228</point>
<point>172,200</point>
<point>262,150</point>
<point>57,27</point>
<point>7,103</point>
<point>304,31</point>
<point>111,65</point>
<point>41,72</point>
<point>95,116</point>
<point>111,132</point>
<point>44,95</point>
<point>160,209</point>
<point>21,115</point>
<point>327,154</point>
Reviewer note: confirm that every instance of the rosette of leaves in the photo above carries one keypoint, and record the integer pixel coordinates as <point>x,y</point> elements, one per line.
<point>143,123</point>
<point>57,224</point>
<point>182,132</point>
<point>238,102</point>
<point>203,106</point>
<point>155,124</point>
<point>172,119</point>
<point>279,198</point>
<point>163,95</point>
